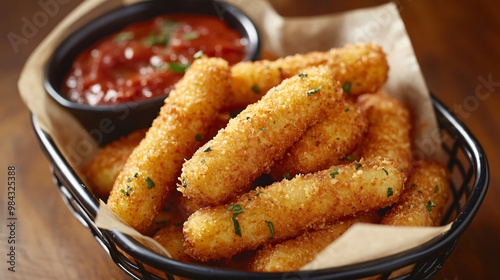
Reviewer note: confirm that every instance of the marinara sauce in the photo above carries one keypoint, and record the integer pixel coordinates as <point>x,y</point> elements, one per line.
<point>145,60</point>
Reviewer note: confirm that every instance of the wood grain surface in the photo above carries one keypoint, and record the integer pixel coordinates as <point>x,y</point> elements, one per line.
<point>457,44</point>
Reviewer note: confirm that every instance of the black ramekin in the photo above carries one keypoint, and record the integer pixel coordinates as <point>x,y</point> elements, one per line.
<point>106,123</point>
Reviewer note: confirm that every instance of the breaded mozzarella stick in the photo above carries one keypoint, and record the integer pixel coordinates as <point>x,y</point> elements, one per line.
<point>226,166</point>
<point>359,68</point>
<point>288,208</point>
<point>292,254</point>
<point>424,198</point>
<point>388,130</point>
<point>324,144</point>
<point>149,175</point>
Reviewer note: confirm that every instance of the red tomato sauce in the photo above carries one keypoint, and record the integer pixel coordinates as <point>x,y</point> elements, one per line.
<point>145,60</point>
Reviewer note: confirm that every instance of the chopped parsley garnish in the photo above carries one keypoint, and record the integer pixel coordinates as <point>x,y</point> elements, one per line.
<point>262,128</point>
<point>257,194</point>
<point>198,54</point>
<point>286,176</point>
<point>124,36</point>
<point>358,165</point>
<point>198,137</point>
<point>202,160</point>
<point>208,149</point>
<point>161,39</point>
<point>347,88</point>
<point>271,228</point>
<point>125,192</point>
<point>129,180</point>
<point>313,91</point>
<point>237,210</point>
<point>386,173</point>
<point>256,89</point>
<point>190,35</point>
<point>349,158</point>
<point>389,192</point>
<point>369,164</point>
<point>136,174</point>
<point>179,68</point>
<point>430,205</point>
<point>302,75</point>
<point>184,183</point>
<point>334,173</point>
<point>178,224</point>
<point>346,110</point>
<point>150,183</point>
<point>412,185</point>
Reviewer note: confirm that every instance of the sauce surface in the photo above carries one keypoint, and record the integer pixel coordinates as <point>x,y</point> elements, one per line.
<point>145,60</point>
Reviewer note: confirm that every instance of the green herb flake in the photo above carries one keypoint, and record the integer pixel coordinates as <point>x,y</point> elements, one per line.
<point>198,54</point>
<point>256,89</point>
<point>436,189</point>
<point>125,193</point>
<point>150,183</point>
<point>430,205</point>
<point>208,149</point>
<point>386,173</point>
<point>136,174</point>
<point>334,173</point>
<point>179,68</point>
<point>161,39</point>
<point>389,192</point>
<point>257,194</point>
<point>369,164</point>
<point>129,180</point>
<point>262,128</point>
<point>237,210</point>
<point>347,88</point>
<point>349,158</point>
<point>184,183</point>
<point>198,137</point>
<point>287,176</point>
<point>190,35</point>
<point>178,224</point>
<point>202,160</point>
<point>313,91</point>
<point>124,36</point>
<point>271,228</point>
<point>346,110</point>
<point>412,185</point>
<point>302,75</point>
<point>358,165</point>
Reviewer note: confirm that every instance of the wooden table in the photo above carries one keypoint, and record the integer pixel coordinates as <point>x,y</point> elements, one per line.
<point>456,42</point>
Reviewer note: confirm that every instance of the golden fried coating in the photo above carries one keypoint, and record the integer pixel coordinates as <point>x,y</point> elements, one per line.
<point>359,68</point>
<point>226,166</point>
<point>388,130</point>
<point>172,239</point>
<point>288,208</point>
<point>102,170</point>
<point>149,175</point>
<point>425,197</point>
<point>292,254</point>
<point>324,144</point>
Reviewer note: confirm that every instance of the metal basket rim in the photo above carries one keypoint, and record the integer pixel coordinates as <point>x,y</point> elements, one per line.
<point>89,202</point>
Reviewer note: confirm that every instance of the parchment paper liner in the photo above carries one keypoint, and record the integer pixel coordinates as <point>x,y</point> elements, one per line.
<point>281,37</point>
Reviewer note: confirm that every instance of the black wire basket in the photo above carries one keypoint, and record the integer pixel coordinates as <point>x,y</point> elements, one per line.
<point>470,176</point>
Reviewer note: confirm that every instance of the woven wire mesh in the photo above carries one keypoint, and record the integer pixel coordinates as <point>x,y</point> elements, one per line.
<point>466,162</point>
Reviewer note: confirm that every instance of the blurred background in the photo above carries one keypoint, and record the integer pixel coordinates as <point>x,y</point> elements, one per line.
<point>457,44</point>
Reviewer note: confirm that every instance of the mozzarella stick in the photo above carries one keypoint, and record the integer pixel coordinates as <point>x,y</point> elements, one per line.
<point>102,170</point>
<point>292,254</point>
<point>359,68</point>
<point>226,165</point>
<point>388,132</point>
<point>172,239</point>
<point>149,175</point>
<point>324,144</point>
<point>288,208</point>
<point>425,197</point>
